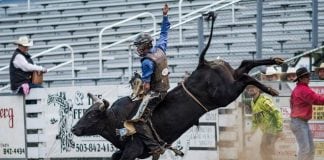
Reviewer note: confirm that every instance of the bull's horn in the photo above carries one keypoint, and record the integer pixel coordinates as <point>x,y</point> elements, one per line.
<point>104,105</point>
<point>94,98</point>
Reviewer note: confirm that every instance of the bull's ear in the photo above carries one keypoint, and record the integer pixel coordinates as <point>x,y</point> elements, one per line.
<point>106,103</point>
<point>94,98</point>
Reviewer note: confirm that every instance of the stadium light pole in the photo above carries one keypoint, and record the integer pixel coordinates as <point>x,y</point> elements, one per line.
<point>130,61</point>
<point>180,20</point>
<point>259,29</point>
<point>314,28</point>
<point>315,24</point>
<point>28,5</point>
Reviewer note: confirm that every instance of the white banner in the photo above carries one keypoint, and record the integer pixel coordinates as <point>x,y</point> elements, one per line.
<point>65,106</point>
<point>196,143</point>
<point>62,107</point>
<point>12,127</point>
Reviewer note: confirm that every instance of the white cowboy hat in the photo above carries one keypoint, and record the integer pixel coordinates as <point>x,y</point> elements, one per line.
<point>24,41</point>
<point>291,70</point>
<point>271,71</point>
<point>320,67</point>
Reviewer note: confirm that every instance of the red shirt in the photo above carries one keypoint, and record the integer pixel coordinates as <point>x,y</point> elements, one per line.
<point>301,100</point>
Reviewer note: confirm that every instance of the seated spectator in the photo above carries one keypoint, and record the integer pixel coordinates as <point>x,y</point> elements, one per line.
<point>271,74</point>
<point>290,75</point>
<point>320,71</point>
<point>22,67</point>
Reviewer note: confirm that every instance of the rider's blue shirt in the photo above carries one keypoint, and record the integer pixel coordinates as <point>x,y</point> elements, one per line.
<point>147,64</point>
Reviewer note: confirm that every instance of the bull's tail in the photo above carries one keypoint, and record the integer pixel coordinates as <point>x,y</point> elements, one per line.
<point>211,15</point>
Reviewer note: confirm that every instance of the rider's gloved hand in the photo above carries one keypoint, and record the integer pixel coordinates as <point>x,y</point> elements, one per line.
<point>146,87</point>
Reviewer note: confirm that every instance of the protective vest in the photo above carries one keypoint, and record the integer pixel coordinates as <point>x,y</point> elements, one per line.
<point>18,76</point>
<point>160,78</point>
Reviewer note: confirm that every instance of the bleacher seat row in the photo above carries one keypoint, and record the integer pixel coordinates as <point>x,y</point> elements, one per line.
<point>287,27</point>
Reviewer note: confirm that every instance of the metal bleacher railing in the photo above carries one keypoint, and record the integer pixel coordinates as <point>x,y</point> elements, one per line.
<point>197,11</point>
<point>289,60</point>
<point>203,9</point>
<point>53,68</point>
<point>184,19</point>
<point>101,48</point>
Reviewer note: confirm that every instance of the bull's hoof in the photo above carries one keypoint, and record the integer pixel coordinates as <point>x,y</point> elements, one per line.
<point>178,153</point>
<point>278,61</point>
<point>155,157</point>
<point>273,92</point>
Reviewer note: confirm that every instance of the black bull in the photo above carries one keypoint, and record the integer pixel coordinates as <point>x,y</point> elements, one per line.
<point>212,85</point>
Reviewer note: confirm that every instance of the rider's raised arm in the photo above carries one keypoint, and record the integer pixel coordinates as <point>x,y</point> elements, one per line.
<point>165,26</point>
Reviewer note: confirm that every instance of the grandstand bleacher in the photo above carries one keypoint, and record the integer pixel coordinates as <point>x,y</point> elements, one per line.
<point>287,27</point>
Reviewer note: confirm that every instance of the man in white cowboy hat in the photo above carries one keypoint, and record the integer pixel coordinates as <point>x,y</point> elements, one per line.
<point>290,75</point>
<point>22,67</point>
<point>271,74</point>
<point>320,71</point>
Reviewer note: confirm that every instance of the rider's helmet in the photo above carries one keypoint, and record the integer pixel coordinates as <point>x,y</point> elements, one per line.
<point>143,42</point>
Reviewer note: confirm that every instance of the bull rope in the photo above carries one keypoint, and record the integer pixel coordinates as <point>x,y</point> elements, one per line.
<point>193,97</point>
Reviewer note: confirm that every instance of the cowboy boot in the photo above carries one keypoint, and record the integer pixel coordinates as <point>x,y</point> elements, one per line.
<point>145,133</point>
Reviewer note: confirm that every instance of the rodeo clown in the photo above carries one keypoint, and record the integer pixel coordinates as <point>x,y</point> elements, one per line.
<point>155,83</point>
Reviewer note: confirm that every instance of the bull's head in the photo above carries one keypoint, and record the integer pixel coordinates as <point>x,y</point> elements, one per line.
<point>89,124</point>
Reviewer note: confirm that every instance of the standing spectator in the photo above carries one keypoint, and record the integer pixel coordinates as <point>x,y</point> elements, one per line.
<point>301,101</point>
<point>290,75</point>
<point>320,71</point>
<point>271,74</point>
<point>22,67</point>
<point>266,117</point>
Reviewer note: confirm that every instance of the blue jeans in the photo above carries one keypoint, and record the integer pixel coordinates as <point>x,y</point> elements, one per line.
<point>304,138</point>
<point>32,85</point>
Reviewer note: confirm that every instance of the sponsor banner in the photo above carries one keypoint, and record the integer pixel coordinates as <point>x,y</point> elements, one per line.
<point>283,104</point>
<point>196,143</point>
<point>318,89</point>
<point>317,130</point>
<point>319,150</point>
<point>203,137</point>
<point>12,127</point>
<point>286,145</point>
<point>210,117</point>
<point>317,122</point>
<point>318,110</point>
<point>63,108</point>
